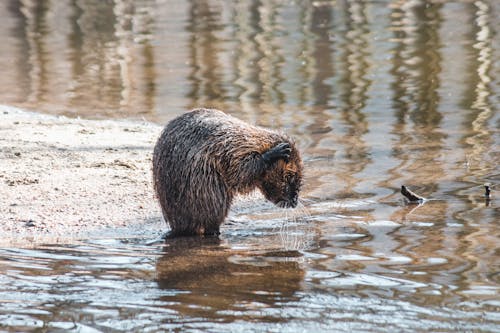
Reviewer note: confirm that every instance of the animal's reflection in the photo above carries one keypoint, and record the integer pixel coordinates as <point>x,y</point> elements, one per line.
<point>203,273</point>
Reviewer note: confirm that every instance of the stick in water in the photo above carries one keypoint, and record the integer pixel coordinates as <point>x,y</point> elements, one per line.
<point>412,197</point>
<point>487,191</point>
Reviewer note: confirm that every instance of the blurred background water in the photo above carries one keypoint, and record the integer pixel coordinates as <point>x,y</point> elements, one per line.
<point>376,93</point>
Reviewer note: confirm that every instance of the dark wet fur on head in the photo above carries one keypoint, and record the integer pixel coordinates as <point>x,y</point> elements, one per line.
<point>203,158</point>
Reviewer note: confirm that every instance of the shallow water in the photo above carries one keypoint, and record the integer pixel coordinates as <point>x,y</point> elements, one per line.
<point>339,274</point>
<point>377,94</point>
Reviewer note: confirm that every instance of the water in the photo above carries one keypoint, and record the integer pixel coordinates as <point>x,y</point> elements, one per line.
<point>377,94</point>
<point>347,276</point>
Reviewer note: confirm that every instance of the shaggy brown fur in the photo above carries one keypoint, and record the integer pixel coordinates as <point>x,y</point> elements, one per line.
<point>203,158</point>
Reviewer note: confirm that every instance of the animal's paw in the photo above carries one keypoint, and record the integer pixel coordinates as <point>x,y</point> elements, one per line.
<point>281,151</point>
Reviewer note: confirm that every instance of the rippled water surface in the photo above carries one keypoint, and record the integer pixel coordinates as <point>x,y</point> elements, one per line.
<point>377,94</point>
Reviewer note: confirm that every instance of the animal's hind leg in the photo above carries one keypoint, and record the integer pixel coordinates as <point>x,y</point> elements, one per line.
<point>212,232</point>
<point>202,208</point>
<point>217,202</point>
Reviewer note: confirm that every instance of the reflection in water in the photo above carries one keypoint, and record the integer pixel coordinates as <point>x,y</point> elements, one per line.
<point>221,279</point>
<point>377,94</point>
<point>417,79</point>
<point>352,86</point>
<point>479,104</point>
<point>233,285</point>
<point>416,71</point>
<point>93,57</point>
<point>204,56</point>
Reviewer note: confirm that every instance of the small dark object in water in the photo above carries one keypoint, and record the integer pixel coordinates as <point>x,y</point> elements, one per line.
<point>30,223</point>
<point>487,191</point>
<point>412,197</point>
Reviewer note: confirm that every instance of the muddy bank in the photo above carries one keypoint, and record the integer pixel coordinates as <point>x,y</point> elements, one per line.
<point>64,178</point>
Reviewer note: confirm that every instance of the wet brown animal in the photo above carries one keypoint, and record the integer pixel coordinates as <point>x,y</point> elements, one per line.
<point>205,157</point>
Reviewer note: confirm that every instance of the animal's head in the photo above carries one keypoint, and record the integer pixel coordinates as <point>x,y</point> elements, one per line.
<point>282,182</point>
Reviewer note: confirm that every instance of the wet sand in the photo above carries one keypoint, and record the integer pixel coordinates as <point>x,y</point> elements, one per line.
<point>63,178</point>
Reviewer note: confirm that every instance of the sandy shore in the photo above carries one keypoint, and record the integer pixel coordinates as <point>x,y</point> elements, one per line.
<point>63,178</point>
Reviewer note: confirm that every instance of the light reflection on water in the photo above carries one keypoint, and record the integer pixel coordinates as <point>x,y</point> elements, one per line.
<point>377,94</point>
<point>244,282</point>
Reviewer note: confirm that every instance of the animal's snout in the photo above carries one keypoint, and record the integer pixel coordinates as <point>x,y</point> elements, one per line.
<point>293,201</point>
